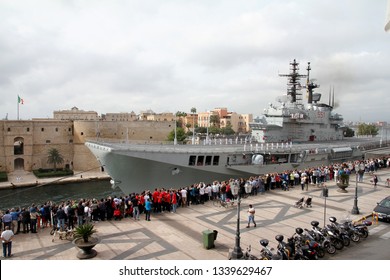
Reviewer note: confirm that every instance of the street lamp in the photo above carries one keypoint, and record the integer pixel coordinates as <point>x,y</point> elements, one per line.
<point>207,128</point>
<point>237,253</point>
<point>193,111</point>
<point>175,139</point>
<point>355,209</point>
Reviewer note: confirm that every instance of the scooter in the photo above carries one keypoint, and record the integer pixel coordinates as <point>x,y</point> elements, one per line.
<point>317,233</point>
<point>266,253</point>
<point>304,249</point>
<point>283,248</point>
<point>340,231</point>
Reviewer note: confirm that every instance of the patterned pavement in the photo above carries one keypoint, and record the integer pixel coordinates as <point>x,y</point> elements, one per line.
<point>178,236</point>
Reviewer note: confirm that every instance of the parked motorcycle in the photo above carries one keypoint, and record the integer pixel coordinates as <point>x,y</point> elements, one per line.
<point>317,233</point>
<point>304,248</point>
<point>248,255</point>
<point>339,231</point>
<point>334,238</point>
<point>267,253</point>
<point>362,227</point>
<point>352,232</point>
<point>283,248</point>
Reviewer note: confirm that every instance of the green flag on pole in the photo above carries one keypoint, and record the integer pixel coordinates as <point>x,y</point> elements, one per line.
<point>20,100</point>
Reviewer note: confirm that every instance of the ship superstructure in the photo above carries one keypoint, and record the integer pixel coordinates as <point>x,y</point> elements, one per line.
<point>292,120</point>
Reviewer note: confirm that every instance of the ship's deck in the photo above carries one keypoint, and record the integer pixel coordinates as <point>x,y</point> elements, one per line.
<point>223,147</point>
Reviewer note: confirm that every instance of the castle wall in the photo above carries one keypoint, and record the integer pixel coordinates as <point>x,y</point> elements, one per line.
<point>68,137</point>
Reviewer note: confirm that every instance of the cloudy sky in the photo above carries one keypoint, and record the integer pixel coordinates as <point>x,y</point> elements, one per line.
<point>172,55</point>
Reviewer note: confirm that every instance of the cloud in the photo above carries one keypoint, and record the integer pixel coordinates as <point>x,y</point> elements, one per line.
<point>123,56</point>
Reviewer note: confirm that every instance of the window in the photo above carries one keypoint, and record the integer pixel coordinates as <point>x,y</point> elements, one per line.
<point>216,160</point>
<point>56,129</point>
<point>48,141</point>
<point>28,129</point>
<point>208,160</point>
<point>9,129</point>
<point>42,129</point>
<point>200,160</point>
<point>192,160</point>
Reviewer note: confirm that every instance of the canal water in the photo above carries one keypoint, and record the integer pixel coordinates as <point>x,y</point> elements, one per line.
<point>23,197</point>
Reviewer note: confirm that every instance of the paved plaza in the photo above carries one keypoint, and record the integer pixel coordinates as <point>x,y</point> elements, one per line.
<point>178,236</point>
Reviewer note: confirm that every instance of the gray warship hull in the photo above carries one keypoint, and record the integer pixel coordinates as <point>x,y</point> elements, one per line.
<point>136,168</point>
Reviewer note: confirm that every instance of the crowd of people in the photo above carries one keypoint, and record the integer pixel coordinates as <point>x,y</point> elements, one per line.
<point>71,213</point>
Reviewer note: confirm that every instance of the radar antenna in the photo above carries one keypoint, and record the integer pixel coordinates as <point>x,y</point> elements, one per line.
<point>310,85</point>
<point>294,85</point>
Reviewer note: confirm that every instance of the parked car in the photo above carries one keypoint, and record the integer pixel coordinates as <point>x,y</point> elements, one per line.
<point>383,209</point>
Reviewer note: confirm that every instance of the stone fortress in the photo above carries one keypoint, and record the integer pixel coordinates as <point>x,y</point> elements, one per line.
<point>24,144</point>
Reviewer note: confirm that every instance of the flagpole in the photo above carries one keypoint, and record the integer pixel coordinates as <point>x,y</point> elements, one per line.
<point>18,107</point>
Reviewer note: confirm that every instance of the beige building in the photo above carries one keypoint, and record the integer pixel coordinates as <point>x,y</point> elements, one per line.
<point>119,117</point>
<point>239,122</point>
<point>75,114</point>
<point>161,117</point>
<point>190,122</point>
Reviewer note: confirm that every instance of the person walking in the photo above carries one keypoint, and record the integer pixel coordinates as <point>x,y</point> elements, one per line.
<point>251,215</point>
<point>6,238</point>
<point>375,179</point>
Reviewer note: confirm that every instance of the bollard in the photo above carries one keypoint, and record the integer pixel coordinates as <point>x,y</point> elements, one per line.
<point>375,217</point>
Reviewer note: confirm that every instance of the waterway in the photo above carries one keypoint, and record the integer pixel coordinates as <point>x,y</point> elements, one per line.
<point>23,197</point>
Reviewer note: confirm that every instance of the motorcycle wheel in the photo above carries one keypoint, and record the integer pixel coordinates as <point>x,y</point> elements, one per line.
<point>364,233</point>
<point>331,249</point>
<point>338,244</point>
<point>355,237</point>
<point>346,241</point>
<point>321,252</point>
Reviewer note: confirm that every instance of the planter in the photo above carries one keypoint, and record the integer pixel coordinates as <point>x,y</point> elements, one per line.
<point>86,248</point>
<point>342,187</point>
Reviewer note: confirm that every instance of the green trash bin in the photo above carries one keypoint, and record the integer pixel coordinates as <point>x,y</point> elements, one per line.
<point>208,239</point>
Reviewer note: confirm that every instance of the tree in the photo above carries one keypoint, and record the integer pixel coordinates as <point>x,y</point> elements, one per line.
<point>214,120</point>
<point>54,157</point>
<point>214,130</point>
<point>193,112</point>
<point>349,132</point>
<point>228,130</point>
<point>367,129</point>
<point>179,118</point>
<point>180,135</point>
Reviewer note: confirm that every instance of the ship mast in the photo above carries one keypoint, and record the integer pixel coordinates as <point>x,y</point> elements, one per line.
<point>310,85</point>
<point>294,85</point>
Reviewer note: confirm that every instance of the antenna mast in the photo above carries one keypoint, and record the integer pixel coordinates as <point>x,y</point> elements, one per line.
<point>294,85</point>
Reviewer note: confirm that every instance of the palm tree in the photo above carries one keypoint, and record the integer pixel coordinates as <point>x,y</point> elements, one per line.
<point>54,157</point>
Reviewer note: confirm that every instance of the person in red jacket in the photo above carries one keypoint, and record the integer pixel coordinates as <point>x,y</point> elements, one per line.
<point>174,200</point>
<point>155,197</point>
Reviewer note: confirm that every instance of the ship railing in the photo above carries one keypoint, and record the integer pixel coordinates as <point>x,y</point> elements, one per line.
<point>245,147</point>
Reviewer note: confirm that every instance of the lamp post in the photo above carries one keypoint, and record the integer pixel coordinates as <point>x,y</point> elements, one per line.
<point>237,253</point>
<point>175,139</point>
<point>193,111</point>
<point>355,209</point>
<point>207,129</point>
